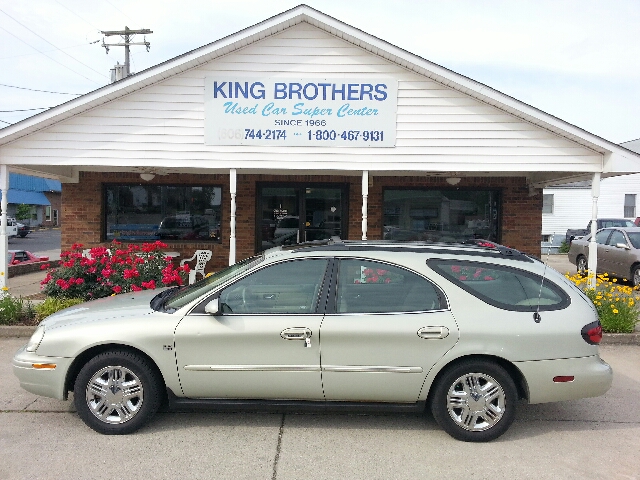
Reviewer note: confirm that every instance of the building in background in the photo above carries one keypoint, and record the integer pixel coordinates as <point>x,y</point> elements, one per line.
<point>302,127</point>
<point>42,195</point>
<point>568,206</point>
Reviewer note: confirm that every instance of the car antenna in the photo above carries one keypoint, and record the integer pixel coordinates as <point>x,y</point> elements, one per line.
<point>536,315</point>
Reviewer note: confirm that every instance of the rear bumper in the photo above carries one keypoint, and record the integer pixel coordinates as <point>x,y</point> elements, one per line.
<point>41,381</point>
<point>592,378</point>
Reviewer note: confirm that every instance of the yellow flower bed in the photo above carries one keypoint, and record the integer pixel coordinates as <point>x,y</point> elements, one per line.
<point>615,303</point>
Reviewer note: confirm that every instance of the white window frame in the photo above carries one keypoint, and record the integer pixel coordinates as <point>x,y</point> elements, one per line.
<point>547,202</point>
<point>629,205</point>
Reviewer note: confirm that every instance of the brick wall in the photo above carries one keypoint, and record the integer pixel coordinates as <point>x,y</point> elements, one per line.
<point>82,204</point>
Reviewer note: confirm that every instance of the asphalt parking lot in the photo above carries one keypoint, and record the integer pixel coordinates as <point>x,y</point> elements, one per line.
<point>590,438</point>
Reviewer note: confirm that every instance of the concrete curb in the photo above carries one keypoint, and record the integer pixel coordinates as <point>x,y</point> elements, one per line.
<point>607,339</point>
<point>16,331</point>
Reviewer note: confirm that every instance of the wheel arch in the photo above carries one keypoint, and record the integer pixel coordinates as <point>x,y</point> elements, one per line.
<point>85,356</point>
<point>514,372</point>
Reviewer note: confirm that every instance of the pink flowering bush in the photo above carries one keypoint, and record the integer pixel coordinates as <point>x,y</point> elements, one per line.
<point>119,269</point>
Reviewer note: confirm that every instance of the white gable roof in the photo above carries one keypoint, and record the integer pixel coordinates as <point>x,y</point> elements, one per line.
<point>616,159</point>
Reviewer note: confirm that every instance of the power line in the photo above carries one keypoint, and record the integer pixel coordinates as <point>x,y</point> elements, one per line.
<point>6,122</point>
<point>40,36</point>
<point>85,21</point>
<point>36,90</point>
<point>52,50</point>
<point>50,58</point>
<point>119,10</point>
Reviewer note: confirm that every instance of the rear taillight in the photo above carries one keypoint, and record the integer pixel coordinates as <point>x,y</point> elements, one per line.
<point>592,333</point>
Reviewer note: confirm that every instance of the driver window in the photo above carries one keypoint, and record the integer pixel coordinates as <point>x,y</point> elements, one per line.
<point>289,287</point>
<point>601,236</point>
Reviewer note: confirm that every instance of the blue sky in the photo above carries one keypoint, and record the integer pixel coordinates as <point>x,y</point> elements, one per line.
<point>577,60</point>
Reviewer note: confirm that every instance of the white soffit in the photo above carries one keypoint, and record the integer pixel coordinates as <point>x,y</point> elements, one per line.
<point>278,23</point>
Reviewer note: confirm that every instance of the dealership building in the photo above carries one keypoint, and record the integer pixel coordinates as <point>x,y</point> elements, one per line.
<point>302,128</point>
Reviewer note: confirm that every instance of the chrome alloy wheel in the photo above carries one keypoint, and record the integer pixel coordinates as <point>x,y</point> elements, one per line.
<point>114,394</point>
<point>476,402</point>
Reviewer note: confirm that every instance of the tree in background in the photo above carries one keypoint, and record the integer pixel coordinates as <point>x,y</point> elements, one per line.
<point>23,212</point>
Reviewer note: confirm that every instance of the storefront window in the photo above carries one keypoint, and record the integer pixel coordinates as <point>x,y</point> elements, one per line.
<point>163,212</point>
<point>441,215</point>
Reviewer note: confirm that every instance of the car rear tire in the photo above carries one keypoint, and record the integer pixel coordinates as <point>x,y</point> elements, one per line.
<point>475,401</point>
<point>117,392</point>
<point>582,265</point>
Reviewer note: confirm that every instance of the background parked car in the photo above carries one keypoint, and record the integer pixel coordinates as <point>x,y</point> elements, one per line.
<point>601,223</point>
<point>15,257</point>
<point>618,253</point>
<point>23,230</point>
<point>12,227</point>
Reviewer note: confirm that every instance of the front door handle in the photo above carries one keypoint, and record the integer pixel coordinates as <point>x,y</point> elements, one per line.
<point>297,333</point>
<point>433,332</point>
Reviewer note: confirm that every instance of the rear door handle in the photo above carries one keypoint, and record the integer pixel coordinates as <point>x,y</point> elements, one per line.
<point>437,332</point>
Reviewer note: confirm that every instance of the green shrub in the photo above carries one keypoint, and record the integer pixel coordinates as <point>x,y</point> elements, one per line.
<point>564,247</point>
<point>51,305</point>
<point>15,310</point>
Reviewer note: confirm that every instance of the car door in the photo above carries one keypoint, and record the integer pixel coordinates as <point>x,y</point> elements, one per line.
<point>619,259</point>
<point>388,327</point>
<point>265,342</point>
<point>601,243</point>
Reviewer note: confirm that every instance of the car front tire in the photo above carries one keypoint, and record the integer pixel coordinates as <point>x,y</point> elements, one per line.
<point>117,392</point>
<point>475,401</point>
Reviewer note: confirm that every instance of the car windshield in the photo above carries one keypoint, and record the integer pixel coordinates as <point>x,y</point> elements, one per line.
<point>182,296</point>
<point>634,238</point>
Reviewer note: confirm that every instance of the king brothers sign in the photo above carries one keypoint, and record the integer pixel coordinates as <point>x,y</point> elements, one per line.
<point>302,112</point>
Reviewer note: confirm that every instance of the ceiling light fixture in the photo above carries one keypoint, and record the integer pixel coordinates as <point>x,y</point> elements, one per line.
<point>453,180</point>
<point>147,176</point>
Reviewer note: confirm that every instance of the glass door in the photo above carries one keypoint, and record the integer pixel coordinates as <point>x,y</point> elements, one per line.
<point>323,213</point>
<point>291,214</point>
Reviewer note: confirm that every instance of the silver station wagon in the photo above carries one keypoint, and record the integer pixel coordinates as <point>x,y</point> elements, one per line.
<point>465,331</point>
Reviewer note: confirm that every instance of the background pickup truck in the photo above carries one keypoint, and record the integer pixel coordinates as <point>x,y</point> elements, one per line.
<point>602,223</point>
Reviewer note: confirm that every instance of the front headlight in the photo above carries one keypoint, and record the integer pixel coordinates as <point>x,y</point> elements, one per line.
<point>35,339</point>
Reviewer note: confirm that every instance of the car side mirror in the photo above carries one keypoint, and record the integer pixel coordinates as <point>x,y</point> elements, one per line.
<point>213,307</point>
<point>622,245</point>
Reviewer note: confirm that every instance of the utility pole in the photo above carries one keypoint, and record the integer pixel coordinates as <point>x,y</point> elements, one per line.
<point>127,35</point>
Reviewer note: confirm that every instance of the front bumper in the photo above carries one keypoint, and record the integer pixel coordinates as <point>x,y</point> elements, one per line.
<point>41,381</point>
<point>592,378</point>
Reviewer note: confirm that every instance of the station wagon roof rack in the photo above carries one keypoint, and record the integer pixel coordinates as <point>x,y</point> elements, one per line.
<point>474,247</point>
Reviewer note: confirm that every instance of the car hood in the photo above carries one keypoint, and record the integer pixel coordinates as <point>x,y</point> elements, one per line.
<point>127,305</point>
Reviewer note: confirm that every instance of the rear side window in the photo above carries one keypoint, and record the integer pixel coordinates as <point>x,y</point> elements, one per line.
<point>365,286</point>
<point>503,287</point>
